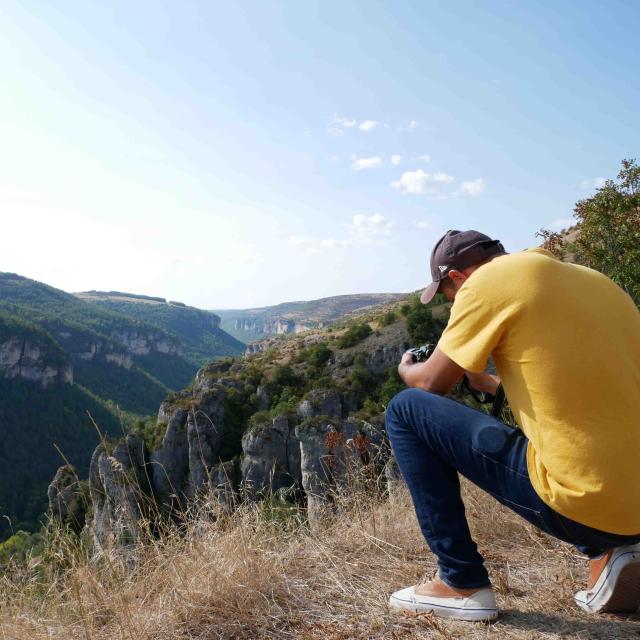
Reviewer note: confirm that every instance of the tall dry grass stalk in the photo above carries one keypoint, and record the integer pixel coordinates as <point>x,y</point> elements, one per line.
<point>262,573</point>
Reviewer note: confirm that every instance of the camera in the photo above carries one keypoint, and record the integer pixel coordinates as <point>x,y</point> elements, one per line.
<point>420,354</point>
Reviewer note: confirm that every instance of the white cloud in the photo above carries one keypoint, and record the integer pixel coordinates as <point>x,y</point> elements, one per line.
<point>338,124</point>
<point>368,125</point>
<point>335,158</point>
<point>562,223</point>
<point>421,224</point>
<point>420,182</point>
<point>473,187</point>
<point>425,157</point>
<point>366,163</point>
<point>363,230</point>
<point>596,183</point>
<point>413,125</point>
<point>368,229</point>
<point>396,159</point>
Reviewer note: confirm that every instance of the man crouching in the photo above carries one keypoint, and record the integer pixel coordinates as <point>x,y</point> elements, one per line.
<point>566,343</point>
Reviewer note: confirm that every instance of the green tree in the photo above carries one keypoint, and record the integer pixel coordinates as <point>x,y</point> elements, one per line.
<point>608,231</point>
<point>353,335</point>
<point>421,324</point>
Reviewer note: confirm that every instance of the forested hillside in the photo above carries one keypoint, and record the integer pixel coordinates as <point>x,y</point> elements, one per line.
<point>199,331</point>
<point>62,360</point>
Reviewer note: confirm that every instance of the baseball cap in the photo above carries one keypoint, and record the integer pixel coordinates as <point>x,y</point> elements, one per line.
<point>458,250</point>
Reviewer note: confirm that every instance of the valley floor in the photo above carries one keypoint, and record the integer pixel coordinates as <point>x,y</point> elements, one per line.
<point>260,573</point>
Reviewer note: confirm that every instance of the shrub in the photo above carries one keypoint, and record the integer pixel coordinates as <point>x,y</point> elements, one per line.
<point>316,356</point>
<point>392,385</point>
<point>388,318</point>
<point>421,325</point>
<point>353,335</point>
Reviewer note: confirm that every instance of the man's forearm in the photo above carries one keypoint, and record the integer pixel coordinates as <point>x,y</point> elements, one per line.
<point>437,374</point>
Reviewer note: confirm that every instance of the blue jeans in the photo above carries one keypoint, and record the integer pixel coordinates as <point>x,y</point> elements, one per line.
<point>433,438</point>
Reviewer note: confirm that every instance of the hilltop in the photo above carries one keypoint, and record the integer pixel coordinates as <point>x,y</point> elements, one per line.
<point>293,317</point>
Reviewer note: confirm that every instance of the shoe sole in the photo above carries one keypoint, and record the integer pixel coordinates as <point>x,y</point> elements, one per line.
<point>456,613</point>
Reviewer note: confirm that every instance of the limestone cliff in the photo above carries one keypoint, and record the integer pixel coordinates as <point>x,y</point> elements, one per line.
<point>26,359</point>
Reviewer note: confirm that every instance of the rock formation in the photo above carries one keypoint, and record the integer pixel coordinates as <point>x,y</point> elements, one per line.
<point>21,358</point>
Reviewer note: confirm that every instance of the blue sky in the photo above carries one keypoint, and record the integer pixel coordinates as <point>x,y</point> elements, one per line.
<point>249,153</point>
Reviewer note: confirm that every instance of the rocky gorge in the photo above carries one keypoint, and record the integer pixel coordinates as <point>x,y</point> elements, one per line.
<point>274,427</point>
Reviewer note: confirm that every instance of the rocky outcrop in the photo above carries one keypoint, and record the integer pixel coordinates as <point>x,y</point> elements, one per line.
<point>64,494</point>
<point>119,493</point>
<point>194,428</point>
<point>334,457</point>
<point>321,402</point>
<point>271,459</point>
<point>383,357</point>
<point>22,358</point>
<point>142,343</point>
<point>314,453</point>
<point>224,482</point>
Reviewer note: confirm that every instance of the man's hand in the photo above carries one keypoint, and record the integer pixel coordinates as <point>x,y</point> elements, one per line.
<point>437,374</point>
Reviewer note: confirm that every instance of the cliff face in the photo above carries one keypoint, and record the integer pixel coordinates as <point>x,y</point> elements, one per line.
<point>309,454</point>
<point>121,346</point>
<point>22,358</point>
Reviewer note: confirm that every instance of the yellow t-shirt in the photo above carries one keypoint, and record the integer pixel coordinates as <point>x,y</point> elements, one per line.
<point>566,342</point>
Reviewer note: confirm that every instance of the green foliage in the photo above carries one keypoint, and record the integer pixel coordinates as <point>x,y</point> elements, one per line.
<point>133,389</point>
<point>19,546</point>
<point>260,417</point>
<point>609,223</point>
<point>353,335</point>
<point>608,231</point>
<point>315,356</point>
<point>392,386</point>
<point>32,420</point>
<point>238,408</point>
<point>388,318</point>
<point>421,324</point>
<point>200,336</point>
<point>284,376</point>
<point>361,381</point>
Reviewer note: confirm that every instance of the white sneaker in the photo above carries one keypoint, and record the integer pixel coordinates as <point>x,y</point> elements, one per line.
<point>476,606</point>
<point>617,587</point>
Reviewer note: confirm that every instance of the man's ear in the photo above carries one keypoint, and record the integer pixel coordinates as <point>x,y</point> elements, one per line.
<point>457,277</point>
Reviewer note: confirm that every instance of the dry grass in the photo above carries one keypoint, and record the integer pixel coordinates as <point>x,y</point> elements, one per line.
<point>258,574</point>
